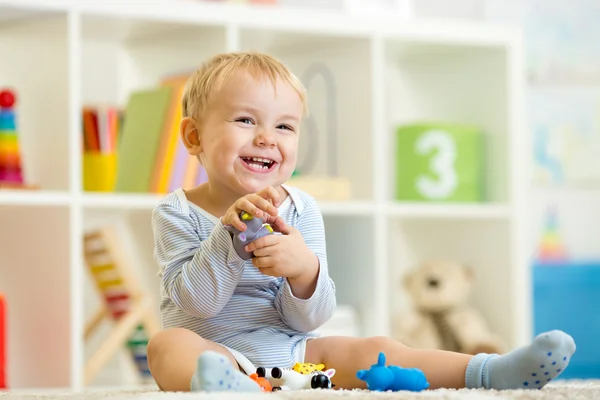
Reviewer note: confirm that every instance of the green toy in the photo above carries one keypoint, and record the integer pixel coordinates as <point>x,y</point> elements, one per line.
<point>440,162</point>
<point>137,344</point>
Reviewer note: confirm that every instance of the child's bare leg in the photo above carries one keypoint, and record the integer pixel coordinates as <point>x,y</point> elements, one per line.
<point>347,355</point>
<point>527,367</point>
<point>173,355</point>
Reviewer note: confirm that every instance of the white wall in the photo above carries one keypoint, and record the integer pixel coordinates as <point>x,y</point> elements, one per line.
<point>576,205</point>
<point>463,9</point>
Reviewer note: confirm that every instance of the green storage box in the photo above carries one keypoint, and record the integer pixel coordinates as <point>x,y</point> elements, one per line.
<point>440,162</point>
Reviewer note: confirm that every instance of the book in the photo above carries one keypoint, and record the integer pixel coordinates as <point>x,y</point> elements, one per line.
<point>146,117</point>
<point>140,147</point>
<point>170,138</point>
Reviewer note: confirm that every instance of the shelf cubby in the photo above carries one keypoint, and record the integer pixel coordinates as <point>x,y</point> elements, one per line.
<point>456,84</point>
<point>350,250</point>
<point>336,138</point>
<point>34,49</point>
<point>471,243</point>
<point>121,54</point>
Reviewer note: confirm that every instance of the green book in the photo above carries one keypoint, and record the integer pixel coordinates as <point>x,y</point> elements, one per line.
<point>143,126</point>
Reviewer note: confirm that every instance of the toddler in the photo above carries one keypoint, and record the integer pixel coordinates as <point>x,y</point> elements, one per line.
<point>242,116</point>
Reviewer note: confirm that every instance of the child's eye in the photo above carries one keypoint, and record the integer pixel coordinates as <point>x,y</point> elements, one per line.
<point>286,127</point>
<point>245,120</point>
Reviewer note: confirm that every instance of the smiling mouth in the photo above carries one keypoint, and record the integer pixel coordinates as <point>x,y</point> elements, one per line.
<point>259,163</point>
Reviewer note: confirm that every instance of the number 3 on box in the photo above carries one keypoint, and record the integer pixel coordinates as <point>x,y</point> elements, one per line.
<point>442,164</point>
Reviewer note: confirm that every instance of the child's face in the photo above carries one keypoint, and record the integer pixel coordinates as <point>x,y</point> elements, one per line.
<point>249,134</point>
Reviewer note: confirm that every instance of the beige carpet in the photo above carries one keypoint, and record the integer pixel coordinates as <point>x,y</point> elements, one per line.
<point>565,390</point>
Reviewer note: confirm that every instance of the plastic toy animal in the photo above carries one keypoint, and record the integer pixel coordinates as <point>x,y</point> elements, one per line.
<point>288,379</point>
<point>254,229</point>
<point>263,382</point>
<point>307,368</point>
<point>382,378</point>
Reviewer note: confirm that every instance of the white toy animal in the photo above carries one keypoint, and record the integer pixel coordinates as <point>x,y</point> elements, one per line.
<point>288,379</point>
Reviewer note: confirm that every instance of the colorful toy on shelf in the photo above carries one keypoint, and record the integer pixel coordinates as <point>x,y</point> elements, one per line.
<point>137,344</point>
<point>382,378</point>
<point>123,301</point>
<point>440,162</point>
<point>10,154</point>
<point>551,247</point>
<point>254,229</point>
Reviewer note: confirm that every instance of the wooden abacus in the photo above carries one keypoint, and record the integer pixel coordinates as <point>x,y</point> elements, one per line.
<point>124,302</point>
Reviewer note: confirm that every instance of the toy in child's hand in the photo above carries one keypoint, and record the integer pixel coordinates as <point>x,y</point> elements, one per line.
<point>382,378</point>
<point>254,229</point>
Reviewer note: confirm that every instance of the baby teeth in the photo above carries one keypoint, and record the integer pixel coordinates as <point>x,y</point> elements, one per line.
<point>259,159</point>
<point>258,166</point>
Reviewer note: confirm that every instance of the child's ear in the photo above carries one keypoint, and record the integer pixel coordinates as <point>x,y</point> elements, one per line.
<point>190,135</point>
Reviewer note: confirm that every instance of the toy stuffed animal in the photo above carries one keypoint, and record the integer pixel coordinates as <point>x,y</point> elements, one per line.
<point>441,318</point>
<point>254,229</point>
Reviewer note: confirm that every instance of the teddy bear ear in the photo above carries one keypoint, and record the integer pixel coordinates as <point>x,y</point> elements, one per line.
<point>406,279</point>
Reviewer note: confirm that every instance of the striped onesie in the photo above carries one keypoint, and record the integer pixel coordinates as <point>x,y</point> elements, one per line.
<point>207,288</point>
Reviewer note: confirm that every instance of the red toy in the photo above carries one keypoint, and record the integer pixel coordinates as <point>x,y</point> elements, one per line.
<point>10,153</point>
<point>7,99</point>
<point>263,382</point>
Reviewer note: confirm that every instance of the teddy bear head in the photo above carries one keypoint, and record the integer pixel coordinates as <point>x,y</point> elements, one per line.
<point>436,286</point>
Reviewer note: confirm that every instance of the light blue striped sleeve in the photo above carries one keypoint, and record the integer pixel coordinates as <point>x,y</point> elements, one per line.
<point>306,315</point>
<point>199,276</point>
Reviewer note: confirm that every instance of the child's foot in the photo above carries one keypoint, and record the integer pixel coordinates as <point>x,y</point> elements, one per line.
<point>528,367</point>
<point>215,373</point>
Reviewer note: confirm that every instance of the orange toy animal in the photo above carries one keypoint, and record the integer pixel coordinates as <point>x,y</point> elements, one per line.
<point>264,384</point>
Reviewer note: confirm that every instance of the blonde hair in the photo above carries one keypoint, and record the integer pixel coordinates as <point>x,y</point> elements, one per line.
<point>209,78</point>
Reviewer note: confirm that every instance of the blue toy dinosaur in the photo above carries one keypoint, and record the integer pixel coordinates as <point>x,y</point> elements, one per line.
<point>382,378</point>
<point>254,229</point>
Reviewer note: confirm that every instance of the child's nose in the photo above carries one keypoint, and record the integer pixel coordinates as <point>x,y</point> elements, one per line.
<point>265,138</point>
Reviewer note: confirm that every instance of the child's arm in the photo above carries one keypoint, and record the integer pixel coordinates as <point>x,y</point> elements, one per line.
<point>198,276</point>
<point>306,315</point>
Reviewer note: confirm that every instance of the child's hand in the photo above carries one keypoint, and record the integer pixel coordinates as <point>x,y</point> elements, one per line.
<point>284,255</point>
<point>261,205</point>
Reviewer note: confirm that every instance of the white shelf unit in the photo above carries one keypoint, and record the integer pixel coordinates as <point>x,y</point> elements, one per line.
<point>64,54</point>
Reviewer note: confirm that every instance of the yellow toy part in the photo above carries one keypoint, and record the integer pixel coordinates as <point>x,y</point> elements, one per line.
<point>308,368</point>
<point>249,217</point>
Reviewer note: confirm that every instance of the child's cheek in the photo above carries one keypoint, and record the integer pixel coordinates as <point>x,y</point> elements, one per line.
<point>290,158</point>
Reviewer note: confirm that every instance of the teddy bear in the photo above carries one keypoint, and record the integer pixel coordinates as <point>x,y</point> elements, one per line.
<point>440,317</point>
